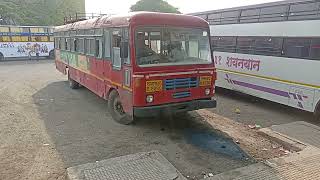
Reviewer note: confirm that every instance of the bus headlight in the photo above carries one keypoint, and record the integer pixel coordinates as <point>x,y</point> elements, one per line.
<point>149,99</point>
<point>207,92</point>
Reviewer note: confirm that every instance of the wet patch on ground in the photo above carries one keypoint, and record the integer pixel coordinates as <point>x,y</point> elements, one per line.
<point>215,142</point>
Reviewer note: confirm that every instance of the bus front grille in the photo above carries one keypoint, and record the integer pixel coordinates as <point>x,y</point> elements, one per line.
<point>178,95</point>
<point>179,83</point>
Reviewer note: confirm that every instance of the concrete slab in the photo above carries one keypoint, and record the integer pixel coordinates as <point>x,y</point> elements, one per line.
<point>298,167</point>
<point>140,166</point>
<point>300,130</point>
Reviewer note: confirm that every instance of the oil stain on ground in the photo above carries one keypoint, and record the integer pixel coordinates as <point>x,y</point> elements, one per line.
<point>214,142</point>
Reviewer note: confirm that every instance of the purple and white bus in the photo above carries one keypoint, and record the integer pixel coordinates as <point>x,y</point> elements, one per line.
<point>271,51</point>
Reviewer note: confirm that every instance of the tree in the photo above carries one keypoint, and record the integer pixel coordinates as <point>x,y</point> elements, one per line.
<point>38,12</point>
<point>154,6</point>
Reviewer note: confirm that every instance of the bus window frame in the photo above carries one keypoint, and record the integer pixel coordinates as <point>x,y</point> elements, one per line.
<point>100,49</point>
<point>115,32</point>
<point>107,34</point>
<point>68,41</point>
<point>87,43</point>
<point>282,47</point>
<point>126,38</point>
<point>5,37</point>
<point>82,50</point>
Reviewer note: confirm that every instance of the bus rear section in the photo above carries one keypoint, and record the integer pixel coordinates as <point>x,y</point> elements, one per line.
<point>144,64</point>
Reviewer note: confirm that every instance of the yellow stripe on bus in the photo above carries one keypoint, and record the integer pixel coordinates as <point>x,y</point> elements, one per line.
<point>104,79</point>
<point>127,88</point>
<point>268,78</point>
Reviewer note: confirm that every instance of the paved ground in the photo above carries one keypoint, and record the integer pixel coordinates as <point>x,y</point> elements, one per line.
<point>257,111</point>
<point>301,131</point>
<point>300,165</point>
<point>46,127</point>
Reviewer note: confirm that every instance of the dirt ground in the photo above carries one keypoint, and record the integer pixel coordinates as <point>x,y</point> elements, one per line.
<point>45,127</point>
<point>246,136</point>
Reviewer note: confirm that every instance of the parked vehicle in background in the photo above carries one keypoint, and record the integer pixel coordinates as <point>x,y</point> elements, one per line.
<point>24,41</point>
<point>143,63</point>
<point>271,51</point>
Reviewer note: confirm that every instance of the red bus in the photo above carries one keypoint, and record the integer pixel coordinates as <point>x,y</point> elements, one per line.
<point>143,63</point>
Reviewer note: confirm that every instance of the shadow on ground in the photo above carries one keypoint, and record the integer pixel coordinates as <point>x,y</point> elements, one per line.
<point>82,131</point>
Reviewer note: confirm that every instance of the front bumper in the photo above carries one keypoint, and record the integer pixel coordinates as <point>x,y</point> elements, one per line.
<point>174,107</point>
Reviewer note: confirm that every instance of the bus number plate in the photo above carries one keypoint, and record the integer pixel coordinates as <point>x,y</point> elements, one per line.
<point>205,80</point>
<point>153,86</point>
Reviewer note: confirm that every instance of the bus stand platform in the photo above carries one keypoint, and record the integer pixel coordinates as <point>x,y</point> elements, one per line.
<point>303,140</point>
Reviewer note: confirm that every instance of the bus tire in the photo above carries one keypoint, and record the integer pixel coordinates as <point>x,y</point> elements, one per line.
<point>1,57</point>
<point>72,83</point>
<point>116,110</point>
<point>51,54</point>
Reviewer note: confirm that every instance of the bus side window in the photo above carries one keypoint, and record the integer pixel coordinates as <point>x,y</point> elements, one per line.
<point>5,39</point>
<point>62,43</point>
<point>315,49</point>
<point>71,44</point>
<point>44,38</point>
<point>4,29</point>
<point>68,45</point>
<point>98,48</point>
<point>65,44</point>
<point>296,47</point>
<point>24,38</point>
<point>39,38</point>
<point>59,43</point>
<point>107,44</point>
<point>16,38</point>
<point>125,39</point>
<point>75,42</point>
<point>80,46</point>
<point>116,40</point>
<point>90,46</point>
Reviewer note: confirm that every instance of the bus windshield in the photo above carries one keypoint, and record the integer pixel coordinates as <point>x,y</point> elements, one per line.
<point>163,46</point>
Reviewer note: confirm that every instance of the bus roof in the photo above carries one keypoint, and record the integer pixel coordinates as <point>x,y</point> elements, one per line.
<point>289,10</point>
<point>269,4</point>
<point>136,19</point>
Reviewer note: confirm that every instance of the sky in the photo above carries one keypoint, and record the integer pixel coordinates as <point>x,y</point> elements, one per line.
<point>185,6</point>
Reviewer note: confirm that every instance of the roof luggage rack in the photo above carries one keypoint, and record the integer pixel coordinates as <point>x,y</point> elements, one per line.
<point>81,17</point>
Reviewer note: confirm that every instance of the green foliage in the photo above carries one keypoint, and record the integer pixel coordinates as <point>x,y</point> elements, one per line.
<point>154,6</point>
<point>39,12</point>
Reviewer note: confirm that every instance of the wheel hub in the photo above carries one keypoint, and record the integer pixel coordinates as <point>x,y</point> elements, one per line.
<point>118,107</point>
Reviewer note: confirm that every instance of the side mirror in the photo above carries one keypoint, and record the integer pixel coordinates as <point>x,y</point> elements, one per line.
<point>124,50</point>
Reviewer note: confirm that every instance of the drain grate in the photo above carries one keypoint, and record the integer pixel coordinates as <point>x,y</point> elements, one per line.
<point>141,166</point>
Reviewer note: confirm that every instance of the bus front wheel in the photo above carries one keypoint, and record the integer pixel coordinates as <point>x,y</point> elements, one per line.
<point>116,109</point>
<point>72,83</point>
